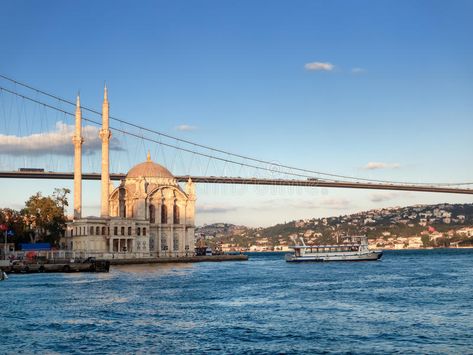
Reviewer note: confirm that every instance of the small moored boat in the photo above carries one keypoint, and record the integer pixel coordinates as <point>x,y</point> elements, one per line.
<point>353,248</point>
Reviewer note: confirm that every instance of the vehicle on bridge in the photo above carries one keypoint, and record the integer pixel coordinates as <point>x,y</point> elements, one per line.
<point>31,170</point>
<point>353,248</point>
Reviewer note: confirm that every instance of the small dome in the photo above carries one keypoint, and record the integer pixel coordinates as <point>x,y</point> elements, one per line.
<point>149,169</point>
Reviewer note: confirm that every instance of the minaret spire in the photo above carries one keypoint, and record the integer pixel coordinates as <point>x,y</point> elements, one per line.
<point>105,135</point>
<point>77,140</point>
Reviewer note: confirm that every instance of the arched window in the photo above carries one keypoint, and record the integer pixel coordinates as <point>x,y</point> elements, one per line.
<point>91,230</point>
<point>144,231</point>
<point>138,230</point>
<point>152,214</point>
<point>175,213</point>
<point>121,203</point>
<point>164,214</point>
<point>122,230</point>
<point>103,230</point>
<point>129,230</point>
<point>164,241</point>
<point>97,230</point>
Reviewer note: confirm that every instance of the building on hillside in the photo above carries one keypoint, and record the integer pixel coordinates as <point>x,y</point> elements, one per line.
<point>466,232</point>
<point>147,215</point>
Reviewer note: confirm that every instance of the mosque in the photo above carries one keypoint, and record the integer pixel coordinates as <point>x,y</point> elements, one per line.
<point>147,215</point>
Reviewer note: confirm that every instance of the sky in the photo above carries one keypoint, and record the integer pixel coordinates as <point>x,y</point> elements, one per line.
<point>373,89</point>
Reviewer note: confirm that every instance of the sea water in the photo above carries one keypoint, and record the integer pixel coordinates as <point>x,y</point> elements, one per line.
<point>409,302</point>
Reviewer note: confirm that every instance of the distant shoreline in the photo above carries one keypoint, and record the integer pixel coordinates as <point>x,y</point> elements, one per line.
<point>288,251</point>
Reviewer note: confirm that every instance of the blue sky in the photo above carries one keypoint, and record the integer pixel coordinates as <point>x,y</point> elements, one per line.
<point>394,87</point>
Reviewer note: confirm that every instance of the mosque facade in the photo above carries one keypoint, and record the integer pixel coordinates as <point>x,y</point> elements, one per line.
<point>148,215</point>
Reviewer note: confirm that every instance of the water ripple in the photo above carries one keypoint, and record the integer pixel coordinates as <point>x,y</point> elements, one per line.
<point>411,302</point>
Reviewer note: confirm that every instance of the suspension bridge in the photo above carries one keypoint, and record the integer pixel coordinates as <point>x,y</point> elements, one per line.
<point>35,130</point>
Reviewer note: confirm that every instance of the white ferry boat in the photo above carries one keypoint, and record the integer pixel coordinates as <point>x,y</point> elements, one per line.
<point>353,248</point>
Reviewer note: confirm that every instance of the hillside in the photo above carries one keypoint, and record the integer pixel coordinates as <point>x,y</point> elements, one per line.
<point>437,225</point>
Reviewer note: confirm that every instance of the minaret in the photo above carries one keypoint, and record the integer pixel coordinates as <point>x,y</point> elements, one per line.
<point>105,135</point>
<point>78,140</point>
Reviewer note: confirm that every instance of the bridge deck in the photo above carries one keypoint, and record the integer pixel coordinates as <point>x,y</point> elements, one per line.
<point>248,181</point>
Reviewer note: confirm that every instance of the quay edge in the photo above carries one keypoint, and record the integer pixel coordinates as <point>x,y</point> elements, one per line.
<point>183,259</point>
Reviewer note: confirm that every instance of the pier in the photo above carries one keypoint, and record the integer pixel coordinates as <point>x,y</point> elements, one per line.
<point>183,259</point>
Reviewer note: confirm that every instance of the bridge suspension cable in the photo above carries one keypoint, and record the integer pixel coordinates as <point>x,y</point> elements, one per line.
<point>301,171</point>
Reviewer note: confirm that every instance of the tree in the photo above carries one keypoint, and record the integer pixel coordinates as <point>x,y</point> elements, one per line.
<point>44,216</point>
<point>15,223</point>
<point>60,197</point>
<point>426,241</point>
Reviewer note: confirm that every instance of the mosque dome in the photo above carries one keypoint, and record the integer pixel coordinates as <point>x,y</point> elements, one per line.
<point>149,169</point>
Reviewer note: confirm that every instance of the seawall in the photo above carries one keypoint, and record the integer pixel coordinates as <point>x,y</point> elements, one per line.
<point>183,259</point>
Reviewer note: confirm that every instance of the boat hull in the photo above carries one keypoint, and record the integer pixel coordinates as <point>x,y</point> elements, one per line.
<point>371,256</point>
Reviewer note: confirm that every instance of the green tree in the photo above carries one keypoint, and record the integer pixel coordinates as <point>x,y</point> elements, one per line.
<point>44,216</point>
<point>426,241</point>
<point>60,197</point>
<point>14,221</point>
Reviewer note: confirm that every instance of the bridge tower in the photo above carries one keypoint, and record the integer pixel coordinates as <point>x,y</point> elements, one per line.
<point>105,135</point>
<point>78,141</point>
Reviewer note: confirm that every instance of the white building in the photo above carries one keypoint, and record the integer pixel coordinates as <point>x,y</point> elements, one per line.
<point>147,215</point>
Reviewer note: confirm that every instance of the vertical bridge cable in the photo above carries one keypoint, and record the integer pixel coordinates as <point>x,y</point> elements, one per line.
<point>301,173</point>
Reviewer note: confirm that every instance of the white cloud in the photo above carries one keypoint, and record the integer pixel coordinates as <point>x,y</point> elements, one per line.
<point>58,142</point>
<point>379,165</point>
<point>358,70</point>
<point>336,203</point>
<point>215,209</point>
<point>330,203</point>
<point>383,197</point>
<point>389,195</point>
<point>186,128</point>
<point>319,66</point>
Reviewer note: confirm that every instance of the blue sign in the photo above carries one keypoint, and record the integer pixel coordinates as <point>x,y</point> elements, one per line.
<point>35,246</point>
<point>10,233</point>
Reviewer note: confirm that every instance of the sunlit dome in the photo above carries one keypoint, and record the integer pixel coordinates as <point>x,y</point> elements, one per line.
<point>149,169</point>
